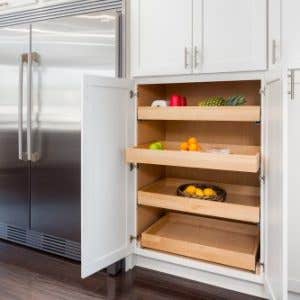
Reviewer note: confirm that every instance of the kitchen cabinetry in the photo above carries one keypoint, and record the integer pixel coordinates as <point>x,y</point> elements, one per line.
<point>129,203</point>
<point>199,36</point>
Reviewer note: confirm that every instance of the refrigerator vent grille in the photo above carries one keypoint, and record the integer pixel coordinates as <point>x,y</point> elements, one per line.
<point>40,241</point>
<point>75,7</point>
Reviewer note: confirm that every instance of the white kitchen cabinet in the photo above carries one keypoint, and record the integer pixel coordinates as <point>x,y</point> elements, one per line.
<point>198,36</point>
<point>162,35</point>
<point>230,35</point>
<point>120,201</point>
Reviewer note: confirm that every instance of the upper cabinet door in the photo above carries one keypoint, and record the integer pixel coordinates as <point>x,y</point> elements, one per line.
<point>230,35</point>
<point>161,37</point>
<point>107,202</point>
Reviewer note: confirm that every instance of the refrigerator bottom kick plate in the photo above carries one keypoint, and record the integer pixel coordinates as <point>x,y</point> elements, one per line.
<point>41,241</point>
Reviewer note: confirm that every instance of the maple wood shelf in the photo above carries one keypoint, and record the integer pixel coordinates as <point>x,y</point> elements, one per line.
<point>223,242</point>
<point>242,202</point>
<point>241,158</point>
<point>201,113</point>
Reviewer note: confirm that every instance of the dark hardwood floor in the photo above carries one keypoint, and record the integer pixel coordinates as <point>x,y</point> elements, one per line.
<point>26,274</point>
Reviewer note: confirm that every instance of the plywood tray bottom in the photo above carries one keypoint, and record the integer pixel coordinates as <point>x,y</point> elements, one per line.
<point>223,242</point>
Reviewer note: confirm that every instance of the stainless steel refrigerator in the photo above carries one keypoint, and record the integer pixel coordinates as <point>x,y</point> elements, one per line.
<point>41,69</point>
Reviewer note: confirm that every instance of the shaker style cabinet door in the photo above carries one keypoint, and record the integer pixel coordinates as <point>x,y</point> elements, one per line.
<point>107,184</point>
<point>161,37</point>
<point>229,35</point>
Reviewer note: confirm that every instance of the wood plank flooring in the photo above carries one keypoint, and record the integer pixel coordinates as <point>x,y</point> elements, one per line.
<point>26,274</point>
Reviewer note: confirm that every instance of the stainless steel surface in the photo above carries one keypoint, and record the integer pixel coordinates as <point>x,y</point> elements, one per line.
<point>58,10</point>
<point>68,47</point>
<point>14,180</point>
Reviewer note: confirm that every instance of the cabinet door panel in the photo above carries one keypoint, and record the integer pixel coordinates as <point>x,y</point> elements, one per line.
<point>275,208</point>
<point>161,31</point>
<point>233,35</point>
<point>107,187</point>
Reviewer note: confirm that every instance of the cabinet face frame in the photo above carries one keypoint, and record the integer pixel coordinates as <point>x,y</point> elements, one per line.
<point>212,78</point>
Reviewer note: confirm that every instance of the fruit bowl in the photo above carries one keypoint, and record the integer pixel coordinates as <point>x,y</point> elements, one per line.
<point>218,195</point>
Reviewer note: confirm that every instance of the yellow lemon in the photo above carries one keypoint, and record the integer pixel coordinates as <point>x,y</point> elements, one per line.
<point>199,193</point>
<point>190,190</point>
<point>209,192</point>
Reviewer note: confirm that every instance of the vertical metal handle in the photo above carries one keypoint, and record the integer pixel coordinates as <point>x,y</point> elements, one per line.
<point>274,52</point>
<point>20,106</point>
<point>186,53</point>
<point>196,56</point>
<point>29,106</point>
<point>119,45</point>
<point>292,78</point>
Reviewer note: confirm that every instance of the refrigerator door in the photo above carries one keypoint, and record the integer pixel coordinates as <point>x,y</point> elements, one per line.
<point>62,51</point>
<point>14,180</point>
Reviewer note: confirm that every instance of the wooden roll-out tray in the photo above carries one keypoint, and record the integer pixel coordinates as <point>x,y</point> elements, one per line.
<point>241,158</point>
<point>228,243</point>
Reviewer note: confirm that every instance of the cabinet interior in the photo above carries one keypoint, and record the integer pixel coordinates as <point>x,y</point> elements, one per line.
<point>245,186</point>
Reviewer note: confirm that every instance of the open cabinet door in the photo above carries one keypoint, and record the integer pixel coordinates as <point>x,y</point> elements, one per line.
<point>106,202</point>
<point>275,203</point>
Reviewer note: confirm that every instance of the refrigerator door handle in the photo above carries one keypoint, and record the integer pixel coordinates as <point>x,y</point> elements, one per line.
<point>23,59</point>
<point>33,60</point>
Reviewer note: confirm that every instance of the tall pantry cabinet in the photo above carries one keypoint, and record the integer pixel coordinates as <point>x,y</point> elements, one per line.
<point>291,66</point>
<point>130,208</point>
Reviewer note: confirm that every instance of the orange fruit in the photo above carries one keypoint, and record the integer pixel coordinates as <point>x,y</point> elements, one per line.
<point>192,140</point>
<point>193,147</point>
<point>184,146</point>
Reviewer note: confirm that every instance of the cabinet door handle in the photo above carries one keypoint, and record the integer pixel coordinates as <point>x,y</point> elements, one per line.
<point>186,54</point>
<point>292,78</point>
<point>273,52</point>
<point>196,57</point>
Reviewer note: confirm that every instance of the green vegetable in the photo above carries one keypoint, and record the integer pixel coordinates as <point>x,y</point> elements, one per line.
<point>220,101</point>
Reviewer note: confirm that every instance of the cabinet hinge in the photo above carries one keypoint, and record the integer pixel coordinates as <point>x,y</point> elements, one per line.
<point>262,91</point>
<point>132,238</point>
<point>133,166</point>
<point>262,178</point>
<point>133,94</point>
<point>262,265</point>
